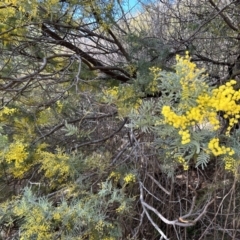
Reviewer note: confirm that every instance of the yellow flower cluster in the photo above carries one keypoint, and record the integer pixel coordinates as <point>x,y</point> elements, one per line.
<point>7,111</point>
<point>129,178</point>
<point>56,216</point>
<point>99,226</point>
<point>121,208</point>
<point>229,163</point>
<point>59,106</point>
<point>53,164</point>
<point>131,68</point>
<point>185,65</point>
<point>182,161</point>
<point>36,223</point>
<point>188,73</point>
<point>226,99</point>
<point>178,121</point>
<point>115,175</point>
<point>153,87</point>
<point>42,231</point>
<point>185,136</point>
<point>217,150</point>
<point>207,105</point>
<point>173,119</point>
<point>17,153</point>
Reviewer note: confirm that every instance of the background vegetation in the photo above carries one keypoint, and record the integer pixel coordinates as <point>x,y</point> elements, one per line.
<point>119,121</point>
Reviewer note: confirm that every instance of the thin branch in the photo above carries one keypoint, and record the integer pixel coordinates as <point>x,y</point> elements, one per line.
<point>178,222</point>
<point>59,126</point>
<point>21,79</point>
<point>226,18</point>
<point>159,185</point>
<point>205,23</point>
<point>206,59</point>
<point>148,216</point>
<point>91,62</point>
<point>102,139</point>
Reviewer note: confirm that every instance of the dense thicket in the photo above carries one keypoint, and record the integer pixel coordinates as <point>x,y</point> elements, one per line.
<point>119,121</point>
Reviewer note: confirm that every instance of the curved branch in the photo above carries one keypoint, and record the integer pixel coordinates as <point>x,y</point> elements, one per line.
<point>206,59</point>
<point>91,62</point>
<point>180,221</point>
<point>226,18</point>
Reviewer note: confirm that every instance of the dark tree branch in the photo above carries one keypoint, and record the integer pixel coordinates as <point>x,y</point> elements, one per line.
<point>225,17</point>
<point>91,62</point>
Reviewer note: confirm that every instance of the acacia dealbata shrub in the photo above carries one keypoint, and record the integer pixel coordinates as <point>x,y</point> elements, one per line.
<point>190,131</point>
